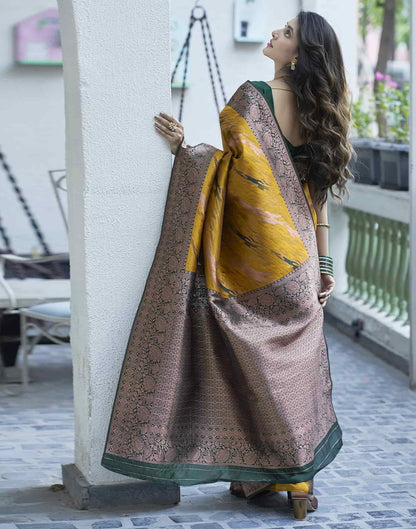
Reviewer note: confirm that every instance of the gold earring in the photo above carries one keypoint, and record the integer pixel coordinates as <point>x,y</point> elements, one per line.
<point>292,65</point>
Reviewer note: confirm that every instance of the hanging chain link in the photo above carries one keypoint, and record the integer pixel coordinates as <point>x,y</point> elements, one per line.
<point>55,265</point>
<point>17,269</point>
<point>186,47</point>
<point>215,60</point>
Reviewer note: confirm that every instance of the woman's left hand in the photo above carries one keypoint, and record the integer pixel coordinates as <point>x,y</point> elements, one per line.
<point>174,137</point>
<point>327,286</point>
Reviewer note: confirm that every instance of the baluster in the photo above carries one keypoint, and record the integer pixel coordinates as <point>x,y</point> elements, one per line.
<point>386,265</point>
<point>369,271</point>
<point>350,250</point>
<point>397,242</point>
<point>358,287</point>
<point>404,279</point>
<point>378,269</point>
<point>365,256</point>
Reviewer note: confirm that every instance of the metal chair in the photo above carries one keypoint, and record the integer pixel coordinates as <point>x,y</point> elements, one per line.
<point>37,311</point>
<point>59,181</point>
<point>45,316</point>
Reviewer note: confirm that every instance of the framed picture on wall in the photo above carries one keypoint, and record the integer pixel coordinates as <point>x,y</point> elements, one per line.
<point>249,20</point>
<point>37,39</point>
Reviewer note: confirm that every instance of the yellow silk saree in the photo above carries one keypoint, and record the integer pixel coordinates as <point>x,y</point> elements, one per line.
<point>226,373</point>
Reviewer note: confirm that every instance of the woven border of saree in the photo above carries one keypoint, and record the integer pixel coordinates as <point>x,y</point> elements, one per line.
<point>226,373</point>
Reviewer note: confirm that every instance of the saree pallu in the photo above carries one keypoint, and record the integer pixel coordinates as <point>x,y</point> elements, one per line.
<point>226,373</point>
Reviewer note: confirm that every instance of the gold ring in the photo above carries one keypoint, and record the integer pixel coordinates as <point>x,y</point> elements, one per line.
<point>172,125</point>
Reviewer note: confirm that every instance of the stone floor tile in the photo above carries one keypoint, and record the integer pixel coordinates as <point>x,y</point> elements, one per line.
<point>370,484</point>
<point>57,525</point>
<point>185,518</point>
<point>383,524</point>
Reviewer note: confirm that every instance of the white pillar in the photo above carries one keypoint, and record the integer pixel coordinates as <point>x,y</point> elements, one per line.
<point>117,77</point>
<point>412,192</point>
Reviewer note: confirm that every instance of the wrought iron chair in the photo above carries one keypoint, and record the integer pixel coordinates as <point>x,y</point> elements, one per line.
<point>44,317</point>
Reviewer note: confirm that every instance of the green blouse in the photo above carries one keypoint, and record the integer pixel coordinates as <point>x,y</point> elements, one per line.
<point>266,90</point>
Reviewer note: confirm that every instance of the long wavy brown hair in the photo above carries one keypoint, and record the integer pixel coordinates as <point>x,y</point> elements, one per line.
<point>324,107</point>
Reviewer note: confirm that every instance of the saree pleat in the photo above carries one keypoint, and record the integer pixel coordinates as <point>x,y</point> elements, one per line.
<point>226,373</point>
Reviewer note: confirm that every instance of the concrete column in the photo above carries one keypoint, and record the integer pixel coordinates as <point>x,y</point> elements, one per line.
<point>117,77</point>
<point>412,192</point>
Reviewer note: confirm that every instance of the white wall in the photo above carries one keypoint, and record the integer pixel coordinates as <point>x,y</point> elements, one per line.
<point>238,62</point>
<point>31,135</point>
<point>32,106</point>
<point>241,61</point>
<point>343,17</point>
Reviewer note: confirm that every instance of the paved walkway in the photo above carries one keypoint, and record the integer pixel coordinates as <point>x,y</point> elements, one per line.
<point>371,484</point>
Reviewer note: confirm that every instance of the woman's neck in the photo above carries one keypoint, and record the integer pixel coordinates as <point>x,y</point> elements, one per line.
<point>278,80</point>
<point>279,83</point>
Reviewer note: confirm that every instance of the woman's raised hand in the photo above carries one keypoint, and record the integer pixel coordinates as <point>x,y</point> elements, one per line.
<point>174,137</point>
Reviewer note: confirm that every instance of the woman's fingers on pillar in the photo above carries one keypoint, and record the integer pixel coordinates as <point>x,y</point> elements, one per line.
<point>174,137</point>
<point>162,125</point>
<point>167,118</point>
<point>161,129</point>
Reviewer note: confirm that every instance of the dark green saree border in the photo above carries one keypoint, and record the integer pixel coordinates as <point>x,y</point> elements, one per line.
<point>186,474</point>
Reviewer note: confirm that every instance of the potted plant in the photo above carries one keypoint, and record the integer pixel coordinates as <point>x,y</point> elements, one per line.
<point>392,103</point>
<point>366,167</point>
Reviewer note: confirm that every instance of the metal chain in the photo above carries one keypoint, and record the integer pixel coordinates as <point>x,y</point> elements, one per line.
<point>182,50</point>
<point>209,65</point>
<point>186,47</point>
<point>215,60</point>
<point>55,265</point>
<point>5,237</point>
<point>184,73</point>
<point>17,269</point>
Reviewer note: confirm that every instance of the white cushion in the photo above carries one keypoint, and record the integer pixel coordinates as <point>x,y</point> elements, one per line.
<point>57,309</point>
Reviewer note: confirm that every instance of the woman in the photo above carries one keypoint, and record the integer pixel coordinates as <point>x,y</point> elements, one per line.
<point>226,374</point>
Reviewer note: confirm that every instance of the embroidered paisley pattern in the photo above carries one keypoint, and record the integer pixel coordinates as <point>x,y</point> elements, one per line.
<point>226,372</point>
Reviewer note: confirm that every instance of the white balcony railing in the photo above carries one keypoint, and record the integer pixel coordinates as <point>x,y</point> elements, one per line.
<point>369,240</point>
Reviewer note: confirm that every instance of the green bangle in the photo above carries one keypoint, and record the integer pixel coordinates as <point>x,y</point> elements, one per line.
<point>326,264</point>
